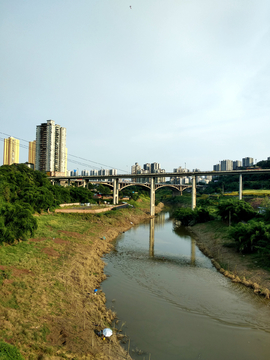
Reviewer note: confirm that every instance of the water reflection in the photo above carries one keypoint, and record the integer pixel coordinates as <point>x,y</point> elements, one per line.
<point>159,222</point>
<point>175,305</point>
<point>151,237</point>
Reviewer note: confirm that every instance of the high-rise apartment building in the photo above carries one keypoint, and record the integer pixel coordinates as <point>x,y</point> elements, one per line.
<point>51,147</point>
<point>11,151</point>
<point>217,167</point>
<point>237,164</point>
<point>155,167</point>
<point>32,152</point>
<point>226,165</point>
<point>247,161</point>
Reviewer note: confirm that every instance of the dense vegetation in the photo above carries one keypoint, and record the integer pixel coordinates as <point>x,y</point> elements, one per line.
<point>23,192</point>
<point>249,229</point>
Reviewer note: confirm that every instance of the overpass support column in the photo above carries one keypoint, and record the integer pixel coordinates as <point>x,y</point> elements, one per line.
<point>193,194</point>
<point>68,182</point>
<point>240,187</point>
<point>115,191</point>
<point>152,196</point>
<point>86,183</point>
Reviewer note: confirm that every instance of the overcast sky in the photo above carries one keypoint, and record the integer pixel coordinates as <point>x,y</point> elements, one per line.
<point>170,81</point>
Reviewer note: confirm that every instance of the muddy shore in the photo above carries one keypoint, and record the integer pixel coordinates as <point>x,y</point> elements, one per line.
<point>211,239</point>
<point>56,309</point>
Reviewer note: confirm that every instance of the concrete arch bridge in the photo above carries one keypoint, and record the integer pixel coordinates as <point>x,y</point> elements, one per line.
<point>153,186</point>
<point>124,185</point>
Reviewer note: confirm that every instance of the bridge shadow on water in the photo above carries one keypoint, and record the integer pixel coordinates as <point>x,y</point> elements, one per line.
<point>190,261</point>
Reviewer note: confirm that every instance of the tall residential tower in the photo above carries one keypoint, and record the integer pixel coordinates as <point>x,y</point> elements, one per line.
<point>32,152</point>
<point>11,151</point>
<point>51,147</point>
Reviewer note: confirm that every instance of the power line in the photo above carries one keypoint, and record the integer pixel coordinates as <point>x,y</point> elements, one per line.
<point>69,160</point>
<point>78,157</point>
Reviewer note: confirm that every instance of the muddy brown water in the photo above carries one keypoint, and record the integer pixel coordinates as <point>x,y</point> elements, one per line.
<point>173,304</point>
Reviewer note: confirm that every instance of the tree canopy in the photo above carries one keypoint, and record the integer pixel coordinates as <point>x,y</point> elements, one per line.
<point>24,191</point>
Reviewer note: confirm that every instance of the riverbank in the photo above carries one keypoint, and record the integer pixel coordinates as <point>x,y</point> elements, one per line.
<point>48,307</point>
<point>213,241</point>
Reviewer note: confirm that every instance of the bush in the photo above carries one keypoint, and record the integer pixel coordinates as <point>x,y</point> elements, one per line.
<point>252,237</point>
<point>189,217</point>
<point>238,210</point>
<point>16,222</point>
<point>203,215</point>
<point>9,352</point>
<point>185,215</point>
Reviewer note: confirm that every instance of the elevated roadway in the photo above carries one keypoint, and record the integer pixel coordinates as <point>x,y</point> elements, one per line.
<point>117,185</point>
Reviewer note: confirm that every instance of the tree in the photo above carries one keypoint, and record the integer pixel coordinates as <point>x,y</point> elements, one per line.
<point>16,222</point>
<point>236,210</point>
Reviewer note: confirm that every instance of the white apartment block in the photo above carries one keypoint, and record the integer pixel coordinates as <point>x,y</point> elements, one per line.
<point>51,147</point>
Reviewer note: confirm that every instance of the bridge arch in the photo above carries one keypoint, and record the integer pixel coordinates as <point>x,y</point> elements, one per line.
<point>125,185</point>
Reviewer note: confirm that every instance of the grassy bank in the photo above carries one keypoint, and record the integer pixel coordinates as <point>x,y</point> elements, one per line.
<point>234,234</point>
<point>48,308</point>
<point>214,241</point>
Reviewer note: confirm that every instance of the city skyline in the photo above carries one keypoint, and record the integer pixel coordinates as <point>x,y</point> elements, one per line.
<point>181,82</point>
<point>222,165</point>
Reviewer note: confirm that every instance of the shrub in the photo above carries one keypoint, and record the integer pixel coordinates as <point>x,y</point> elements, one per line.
<point>16,222</point>
<point>9,352</point>
<point>185,215</point>
<point>238,210</point>
<point>189,217</point>
<point>252,237</point>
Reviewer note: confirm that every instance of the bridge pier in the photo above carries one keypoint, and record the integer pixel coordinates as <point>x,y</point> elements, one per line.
<point>152,196</point>
<point>115,191</point>
<point>193,194</point>
<point>86,182</point>
<point>240,187</point>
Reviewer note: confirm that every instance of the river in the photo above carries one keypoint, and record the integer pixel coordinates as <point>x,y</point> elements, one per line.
<point>173,304</point>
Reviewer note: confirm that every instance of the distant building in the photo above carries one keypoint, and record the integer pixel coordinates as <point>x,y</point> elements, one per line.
<point>179,169</point>
<point>51,148</point>
<point>85,173</point>
<point>32,152</point>
<point>135,168</point>
<point>247,161</point>
<point>153,168</point>
<point>94,172</point>
<point>226,165</point>
<point>217,167</point>
<point>11,151</point>
<point>237,164</point>
<point>112,171</point>
<point>30,165</point>
<point>147,167</point>
<point>177,180</point>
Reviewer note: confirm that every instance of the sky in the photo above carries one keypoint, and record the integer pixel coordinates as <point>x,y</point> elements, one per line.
<point>178,82</point>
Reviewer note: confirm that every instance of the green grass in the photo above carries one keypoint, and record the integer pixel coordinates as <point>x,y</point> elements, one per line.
<point>26,300</point>
<point>250,192</point>
<point>9,352</point>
